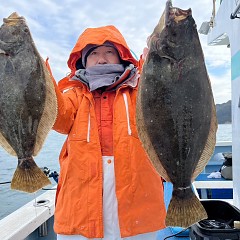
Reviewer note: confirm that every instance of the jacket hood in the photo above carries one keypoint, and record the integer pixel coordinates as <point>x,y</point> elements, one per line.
<point>99,36</point>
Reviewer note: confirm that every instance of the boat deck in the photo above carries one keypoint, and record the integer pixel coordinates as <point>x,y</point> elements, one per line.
<point>35,219</point>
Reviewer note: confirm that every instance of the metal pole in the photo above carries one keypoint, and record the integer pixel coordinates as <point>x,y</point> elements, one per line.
<point>43,230</point>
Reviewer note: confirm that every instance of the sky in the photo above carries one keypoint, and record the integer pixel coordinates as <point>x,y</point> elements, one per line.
<point>56,25</point>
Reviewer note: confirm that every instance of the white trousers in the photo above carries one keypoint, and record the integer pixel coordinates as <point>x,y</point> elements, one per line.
<point>110,209</point>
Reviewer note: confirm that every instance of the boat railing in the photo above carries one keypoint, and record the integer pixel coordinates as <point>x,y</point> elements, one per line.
<point>34,215</point>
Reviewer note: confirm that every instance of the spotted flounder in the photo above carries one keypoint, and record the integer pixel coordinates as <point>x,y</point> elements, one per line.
<point>176,115</point>
<point>28,105</point>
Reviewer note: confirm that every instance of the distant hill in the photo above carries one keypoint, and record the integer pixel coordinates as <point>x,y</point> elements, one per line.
<point>224,112</point>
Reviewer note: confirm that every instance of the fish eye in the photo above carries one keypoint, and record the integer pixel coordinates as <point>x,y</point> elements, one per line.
<point>25,30</point>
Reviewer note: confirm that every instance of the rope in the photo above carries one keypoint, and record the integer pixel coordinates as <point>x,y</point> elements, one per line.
<point>1,183</point>
<point>174,235</point>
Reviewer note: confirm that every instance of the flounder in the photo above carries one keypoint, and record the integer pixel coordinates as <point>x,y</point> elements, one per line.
<point>28,105</point>
<point>176,116</point>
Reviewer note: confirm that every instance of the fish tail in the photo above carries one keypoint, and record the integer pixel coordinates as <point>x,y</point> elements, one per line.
<point>28,177</point>
<point>185,210</point>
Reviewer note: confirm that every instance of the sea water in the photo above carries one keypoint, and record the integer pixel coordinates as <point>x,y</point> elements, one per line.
<point>224,132</point>
<point>11,200</point>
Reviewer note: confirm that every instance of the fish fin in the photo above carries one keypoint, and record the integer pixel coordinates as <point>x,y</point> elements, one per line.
<point>4,143</point>
<point>49,113</point>
<point>28,177</point>
<point>144,138</point>
<point>156,162</point>
<point>152,39</point>
<point>184,212</point>
<point>154,159</point>
<point>210,145</point>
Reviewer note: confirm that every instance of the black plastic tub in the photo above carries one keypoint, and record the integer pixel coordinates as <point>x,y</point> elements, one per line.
<point>220,222</point>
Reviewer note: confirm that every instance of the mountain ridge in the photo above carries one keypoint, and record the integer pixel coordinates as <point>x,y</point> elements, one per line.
<point>224,112</point>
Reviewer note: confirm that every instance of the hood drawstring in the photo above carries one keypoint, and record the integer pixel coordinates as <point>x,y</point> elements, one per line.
<point>89,127</point>
<point>127,113</point>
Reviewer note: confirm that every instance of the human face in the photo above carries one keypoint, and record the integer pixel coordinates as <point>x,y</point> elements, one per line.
<point>103,55</point>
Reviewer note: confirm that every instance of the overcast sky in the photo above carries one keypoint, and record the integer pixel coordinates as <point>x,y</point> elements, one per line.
<point>56,25</point>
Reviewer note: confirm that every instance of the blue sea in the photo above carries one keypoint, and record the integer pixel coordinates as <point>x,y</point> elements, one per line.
<point>11,200</point>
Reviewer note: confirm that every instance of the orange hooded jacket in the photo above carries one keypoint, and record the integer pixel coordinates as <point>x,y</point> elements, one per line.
<point>139,189</point>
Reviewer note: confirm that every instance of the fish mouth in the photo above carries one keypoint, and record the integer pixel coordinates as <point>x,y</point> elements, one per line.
<point>175,13</point>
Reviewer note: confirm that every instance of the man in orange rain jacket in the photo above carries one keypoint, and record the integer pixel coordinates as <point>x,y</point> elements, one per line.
<point>108,187</point>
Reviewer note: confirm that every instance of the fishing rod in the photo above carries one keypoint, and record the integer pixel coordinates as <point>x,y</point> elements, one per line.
<point>49,174</point>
